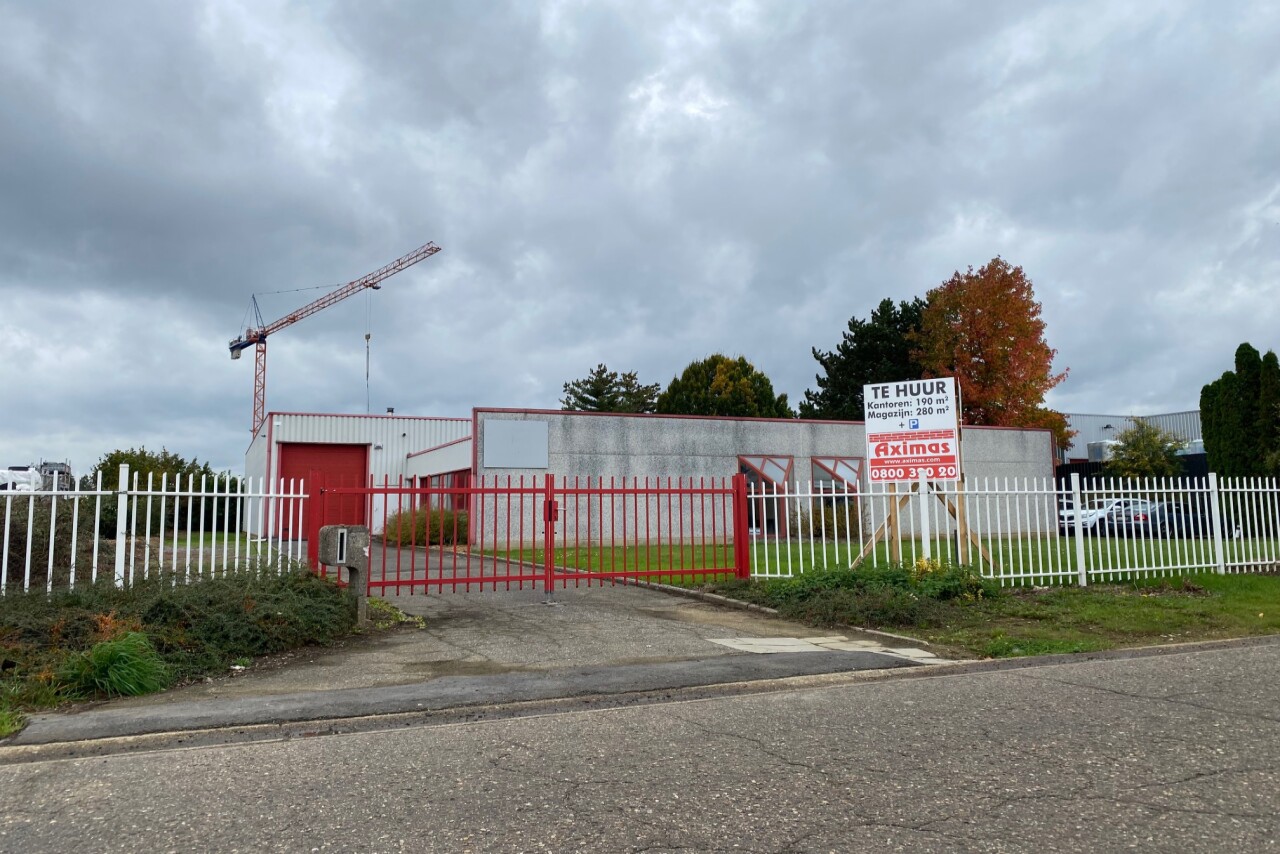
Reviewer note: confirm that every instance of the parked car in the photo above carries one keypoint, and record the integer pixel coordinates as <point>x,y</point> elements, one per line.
<point>1100,514</point>
<point>1166,520</point>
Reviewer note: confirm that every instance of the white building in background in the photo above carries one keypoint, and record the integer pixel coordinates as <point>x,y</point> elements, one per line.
<point>1096,431</point>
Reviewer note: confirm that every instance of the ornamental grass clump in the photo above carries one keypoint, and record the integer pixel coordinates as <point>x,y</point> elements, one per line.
<point>126,666</point>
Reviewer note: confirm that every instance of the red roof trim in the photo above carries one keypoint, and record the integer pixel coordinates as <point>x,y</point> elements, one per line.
<point>351,415</point>
<point>660,415</point>
<point>438,447</point>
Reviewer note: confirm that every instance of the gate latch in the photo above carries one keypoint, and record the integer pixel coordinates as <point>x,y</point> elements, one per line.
<point>551,511</point>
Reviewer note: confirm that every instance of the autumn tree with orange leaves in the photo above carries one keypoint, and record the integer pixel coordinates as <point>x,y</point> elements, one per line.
<point>984,328</point>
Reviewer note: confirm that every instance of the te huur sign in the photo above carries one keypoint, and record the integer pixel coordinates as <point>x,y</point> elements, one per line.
<point>913,430</point>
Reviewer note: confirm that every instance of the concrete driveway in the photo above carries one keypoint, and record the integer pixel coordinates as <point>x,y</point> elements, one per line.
<point>498,647</point>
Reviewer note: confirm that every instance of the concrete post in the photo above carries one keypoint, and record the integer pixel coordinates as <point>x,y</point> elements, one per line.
<point>348,546</point>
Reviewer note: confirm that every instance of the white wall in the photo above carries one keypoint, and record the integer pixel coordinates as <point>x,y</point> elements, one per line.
<point>447,458</point>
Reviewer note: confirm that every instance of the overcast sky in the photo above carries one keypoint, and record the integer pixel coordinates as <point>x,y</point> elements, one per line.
<point>635,183</point>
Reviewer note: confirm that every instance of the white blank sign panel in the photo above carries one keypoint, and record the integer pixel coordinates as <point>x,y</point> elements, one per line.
<point>515,444</point>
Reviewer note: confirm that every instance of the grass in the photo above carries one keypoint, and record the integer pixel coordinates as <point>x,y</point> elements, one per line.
<point>1030,621</point>
<point>666,563</point>
<point>99,641</point>
<point>126,666</point>
<point>1016,558</point>
<point>1051,559</point>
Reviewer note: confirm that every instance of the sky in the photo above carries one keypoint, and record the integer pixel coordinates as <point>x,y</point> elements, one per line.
<point>635,183</point>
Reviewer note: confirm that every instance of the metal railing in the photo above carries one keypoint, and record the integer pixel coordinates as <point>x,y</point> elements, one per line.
<point>180,528</point>
<point>1020,531</point>
<point>1023,531</point>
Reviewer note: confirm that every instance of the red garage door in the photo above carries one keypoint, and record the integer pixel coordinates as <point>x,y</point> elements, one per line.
<point>340,465</point>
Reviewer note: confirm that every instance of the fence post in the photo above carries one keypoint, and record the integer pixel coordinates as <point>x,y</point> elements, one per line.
<point>1215,509</point>
<point>1077,502</point>
<point>891,532</point>
<point>315,511</point>
<point>549,514</point>
<point>926,535</point>
<point>741,534</point>
<point>122,518</point>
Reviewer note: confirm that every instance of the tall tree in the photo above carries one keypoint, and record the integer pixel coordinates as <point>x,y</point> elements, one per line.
<point>1145,450</point>
<point>157,469</point>
<point>1240,416</point>
<point>1249,389</point>
<point>1210,422</point>
<point>604,390</point>
<point>1268,429</point>
<point>718,385</point>
<point>876,350</point>
<point>1223,430</point>
<point>984,328</point>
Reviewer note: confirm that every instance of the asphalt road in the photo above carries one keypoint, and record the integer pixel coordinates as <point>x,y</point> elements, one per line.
<point>1176,752</point>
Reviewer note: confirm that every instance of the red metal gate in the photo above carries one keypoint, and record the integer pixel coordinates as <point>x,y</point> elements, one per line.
<point>518,533</point>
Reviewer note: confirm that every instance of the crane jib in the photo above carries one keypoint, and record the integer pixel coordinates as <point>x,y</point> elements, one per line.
<point>259,336</point>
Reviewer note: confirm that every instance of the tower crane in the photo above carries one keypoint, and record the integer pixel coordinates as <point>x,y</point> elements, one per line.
<point>256,337</point>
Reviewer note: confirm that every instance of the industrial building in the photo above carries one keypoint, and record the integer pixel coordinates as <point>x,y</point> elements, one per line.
<point>1094,434</point>
<point>355,450</point>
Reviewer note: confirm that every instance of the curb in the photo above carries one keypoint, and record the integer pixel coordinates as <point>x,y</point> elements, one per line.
<point>208,736</point>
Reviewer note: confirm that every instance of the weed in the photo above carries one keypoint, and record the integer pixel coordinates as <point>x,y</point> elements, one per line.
<point>384,615</point>
<point>11,720</point>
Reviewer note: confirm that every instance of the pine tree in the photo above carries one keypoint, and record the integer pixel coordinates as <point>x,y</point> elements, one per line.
<point>604,390</point>
<point>877,350</point>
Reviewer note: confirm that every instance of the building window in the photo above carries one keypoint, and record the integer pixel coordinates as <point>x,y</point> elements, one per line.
<point>435,500</point>
<point>765,475</point>
<point>838,475</point>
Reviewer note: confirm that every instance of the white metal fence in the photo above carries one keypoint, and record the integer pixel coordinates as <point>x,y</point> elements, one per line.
<point>1014,531</point>
<point>1024,531</point>
<point>179,528</point>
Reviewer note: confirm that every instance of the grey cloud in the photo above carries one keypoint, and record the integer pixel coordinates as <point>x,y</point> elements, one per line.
<point>639,184</point>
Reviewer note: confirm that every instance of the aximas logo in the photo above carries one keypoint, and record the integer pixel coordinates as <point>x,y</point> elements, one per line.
<point>911,449</point>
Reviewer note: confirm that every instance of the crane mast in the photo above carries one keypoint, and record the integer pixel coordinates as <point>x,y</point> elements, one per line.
<point>256,337</point>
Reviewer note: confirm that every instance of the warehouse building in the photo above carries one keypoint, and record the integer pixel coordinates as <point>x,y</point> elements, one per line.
<point>1094,435</point>
<point>349,450</point>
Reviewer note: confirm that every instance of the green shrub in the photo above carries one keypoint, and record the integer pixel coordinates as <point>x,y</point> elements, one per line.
<point>942,582</point>
<point>37,512</point>
<point>883,595</point>
<point>827,519</point>
<point>423,526</point>
<point>85,641</point>
<point>126,666</point>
